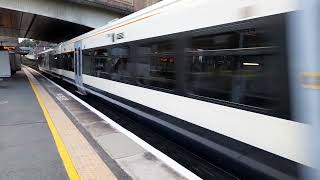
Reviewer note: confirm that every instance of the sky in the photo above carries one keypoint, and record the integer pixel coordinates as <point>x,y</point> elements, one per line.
<point>21,39</point>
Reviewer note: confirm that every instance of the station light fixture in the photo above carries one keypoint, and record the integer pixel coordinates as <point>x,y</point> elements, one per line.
<point>251,64</point>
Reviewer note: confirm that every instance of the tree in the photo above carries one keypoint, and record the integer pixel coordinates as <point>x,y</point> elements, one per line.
<point>28,43</point>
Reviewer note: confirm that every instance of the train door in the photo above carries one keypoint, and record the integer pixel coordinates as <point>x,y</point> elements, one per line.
<point>78,67</point>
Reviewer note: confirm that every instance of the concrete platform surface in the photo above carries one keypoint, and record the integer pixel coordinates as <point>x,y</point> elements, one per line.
<point>80,158</point>
<point>27,149</point>
<point>117,144</point>
<point>47,133</point>
<point>119,152</point>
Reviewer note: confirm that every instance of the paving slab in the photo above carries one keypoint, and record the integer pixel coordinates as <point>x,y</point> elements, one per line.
<point>145,166</point>
<point>75,106</point>
<point>119,146</point>
<point>15,135</point>
<point>31,160</point>
<point>101,128</point>
<point>87,117</point>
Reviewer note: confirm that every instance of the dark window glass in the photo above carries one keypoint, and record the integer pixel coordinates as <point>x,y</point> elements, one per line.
<point>244,67</point>
<point>68,61</point>
<point>156,65</point>
<point>113,64</point>
<point>87,65</point>
<point>59,59</point>
<point>53,61</point>
<point>63,61</point>
<point>242,79</point>
<point>157,48</point>
<point>46,61</point>
<point>41,60</point>
<point>211,76</point>
<point>120,66</point>
<point>70,57</point>
<point>219,41</point>
<point>259,37</point>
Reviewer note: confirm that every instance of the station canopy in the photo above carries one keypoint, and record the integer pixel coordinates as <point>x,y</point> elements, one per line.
<point>26,25</point>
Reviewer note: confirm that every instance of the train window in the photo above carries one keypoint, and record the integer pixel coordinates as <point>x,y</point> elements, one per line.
<point>211,76</point>
<point>41,60</point>
<point>247,70</point>
<point>70,59</point>
<point>156,65</point>
<point>245,79</point>
<point>53,61</point>
<point>63,61</point>
<point>157,48</point>
<point>121,67</point>
<point>59,59</point>
<point>87,65</point>
<point>220,41</point>
<point>94,62</point>
<point>114,64</point>
<point>258,37</point>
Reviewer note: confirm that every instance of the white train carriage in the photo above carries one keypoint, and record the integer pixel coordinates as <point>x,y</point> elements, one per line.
<point>215,70</point>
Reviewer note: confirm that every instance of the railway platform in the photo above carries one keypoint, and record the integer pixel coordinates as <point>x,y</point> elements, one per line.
<point>46,133</point>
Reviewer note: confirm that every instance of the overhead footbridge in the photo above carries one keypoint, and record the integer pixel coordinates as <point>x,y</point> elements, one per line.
<point>58,20</point>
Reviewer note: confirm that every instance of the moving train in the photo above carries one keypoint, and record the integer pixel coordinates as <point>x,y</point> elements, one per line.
<point>213,73</point>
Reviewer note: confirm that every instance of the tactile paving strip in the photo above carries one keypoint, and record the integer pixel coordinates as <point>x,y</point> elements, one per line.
<point>87,162</point>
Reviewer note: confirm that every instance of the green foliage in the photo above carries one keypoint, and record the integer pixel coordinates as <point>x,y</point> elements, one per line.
<point>28,43</point>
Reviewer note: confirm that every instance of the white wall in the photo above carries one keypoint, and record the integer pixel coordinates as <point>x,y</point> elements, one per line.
<point>5,70</point>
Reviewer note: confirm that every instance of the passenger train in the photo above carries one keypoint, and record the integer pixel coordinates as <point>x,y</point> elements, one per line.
<point>215,72</point>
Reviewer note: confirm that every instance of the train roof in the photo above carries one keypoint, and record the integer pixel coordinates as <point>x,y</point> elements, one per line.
<point>174,16</point>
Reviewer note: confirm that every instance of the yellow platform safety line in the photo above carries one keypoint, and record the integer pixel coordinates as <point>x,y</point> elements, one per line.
<point>68,164</point>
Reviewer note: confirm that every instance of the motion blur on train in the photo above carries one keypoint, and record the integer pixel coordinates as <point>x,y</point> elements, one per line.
<point>212,73</point>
